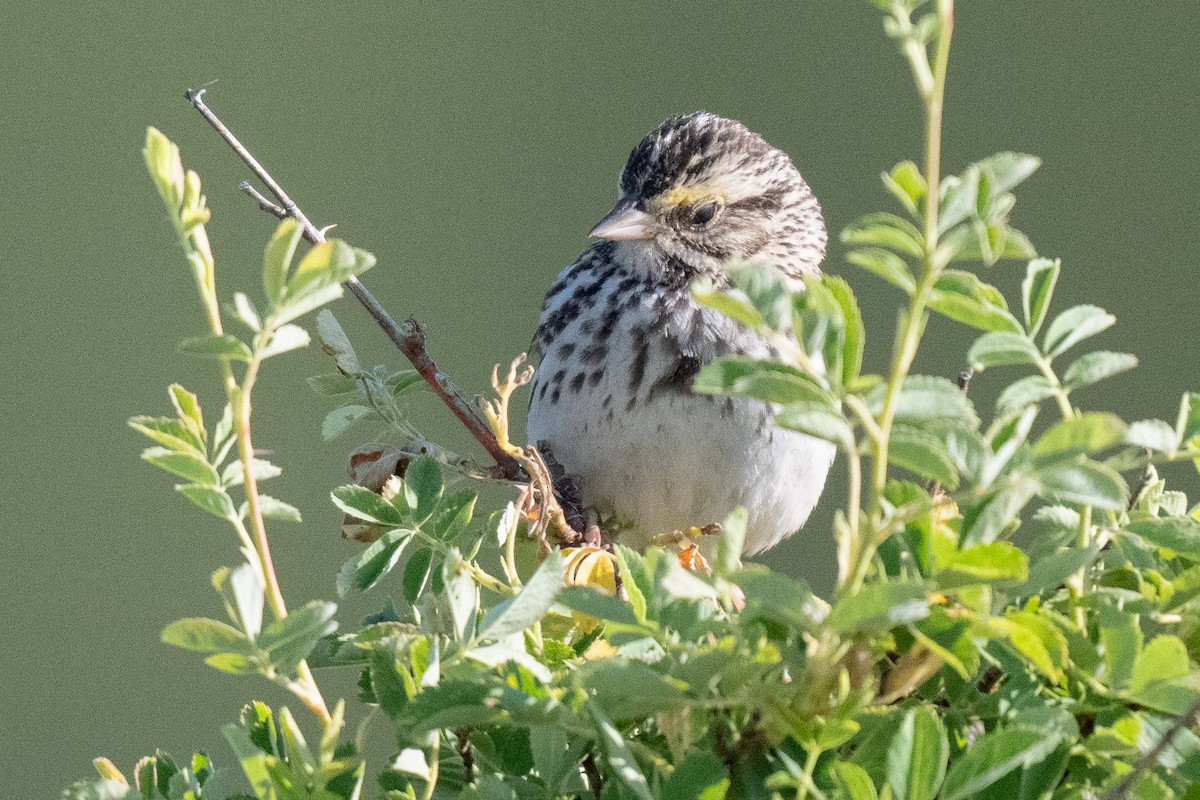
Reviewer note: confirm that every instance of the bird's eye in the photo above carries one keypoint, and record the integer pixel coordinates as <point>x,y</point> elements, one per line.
<point>705,213</point>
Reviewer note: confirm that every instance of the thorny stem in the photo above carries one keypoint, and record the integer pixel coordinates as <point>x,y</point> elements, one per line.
<point>409,338</point>
<point>931,82</point>
<point>239,401</point>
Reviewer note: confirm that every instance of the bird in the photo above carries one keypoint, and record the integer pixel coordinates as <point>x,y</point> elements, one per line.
<point>621,339</point>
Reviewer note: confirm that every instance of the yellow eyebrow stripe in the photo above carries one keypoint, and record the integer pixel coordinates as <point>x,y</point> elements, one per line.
<point>686,196</point>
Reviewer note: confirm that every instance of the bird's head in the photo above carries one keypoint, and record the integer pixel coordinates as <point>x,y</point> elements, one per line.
<point>704,192</point>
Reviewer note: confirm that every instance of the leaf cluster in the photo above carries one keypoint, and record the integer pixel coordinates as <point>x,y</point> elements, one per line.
<point>950,662</point>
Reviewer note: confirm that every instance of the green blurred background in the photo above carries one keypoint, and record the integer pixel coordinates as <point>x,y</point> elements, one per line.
<point>470,146</point>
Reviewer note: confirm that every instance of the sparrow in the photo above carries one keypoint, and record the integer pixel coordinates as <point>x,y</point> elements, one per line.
<point>621,340</point>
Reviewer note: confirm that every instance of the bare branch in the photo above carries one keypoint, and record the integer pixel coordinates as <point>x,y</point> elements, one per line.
<point>409,337</point>
<point>263,201</point>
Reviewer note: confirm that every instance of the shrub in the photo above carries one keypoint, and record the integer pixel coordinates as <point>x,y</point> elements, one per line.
<point>948,663</point>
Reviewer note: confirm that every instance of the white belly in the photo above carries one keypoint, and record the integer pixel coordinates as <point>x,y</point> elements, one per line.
<point>670,460</point>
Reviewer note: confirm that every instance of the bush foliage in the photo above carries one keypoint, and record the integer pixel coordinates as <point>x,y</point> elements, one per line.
<point>949,663</point>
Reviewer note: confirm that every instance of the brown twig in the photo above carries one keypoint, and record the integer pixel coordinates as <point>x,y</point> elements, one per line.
<point>1150,759</point>
<point>1147,476</point>
<point>594,776</point>
<point>466,754</point>
<point>409,337</point>
<point>263,201</point>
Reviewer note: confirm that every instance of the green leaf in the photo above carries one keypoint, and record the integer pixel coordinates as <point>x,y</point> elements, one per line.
<point>213,500</point>
<point>618,757</point>
<point>963,297</point>
<point>244,310</point>
<point>1084,482</point>
<point>286,338</point>
<point>1165,658</point>
<point>310,300</point>
<point>886,230</point>
<point>923,454</point>
<point>1153,434</point>
<point>234,474</point>
<point>1007,169</point>
<point>925,397</point>
<point>816,420</point>
<point>987,519</point>
<point>855,333</point>
<point>1023,393</point>
<point>1073,326</point>
<point>274,508</point>
<point>330,262</point>
<point>289,640</point>
<point>681,584</point>
<point>243,592</point>
<point>729,544</point>
<point>995,755</point>
<point>959,195</point>
<point>767,290</point>
<point>773,596</point>
<point>186,465</point>
<point>530,604</point>
<point>1179,534</point>
<point>1037,639</point>
<point>878,607</point>
<point>1188,424</point>
<point>168,432</point>
<point>332,384</point>
<point>278,258</point>
<point>187,409</point>
<point>1095,367</point>
<point>206,636</point>
<point>361,503</point>
<point>627,558</point>
<point>979,241</point>
<point>907,184</point>
<point>461,594</point>
<point>587,600</point>
<point>371,565</point>
<point>340,419</point>
<point>766,380</point>
<point>1048,572</point>
<point>1121,641</point>
<point>731,305</point>
<point>885,264</point>
<point>850,782</point>
<point>629,690</point>
<point>335,342</point>
<point>700,775</point>
<point>213,346</point>
<point>1087,433</point>
<point>917,756</point>
<point>423,485</point>
<point>416,574</point>
<point>1037,289</point>
<point>165,166</point>
<point>1001,348</point>
<point>983,563</point>
<point>452,516</point>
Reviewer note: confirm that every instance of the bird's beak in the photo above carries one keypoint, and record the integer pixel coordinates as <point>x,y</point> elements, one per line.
<point>625,221</point>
